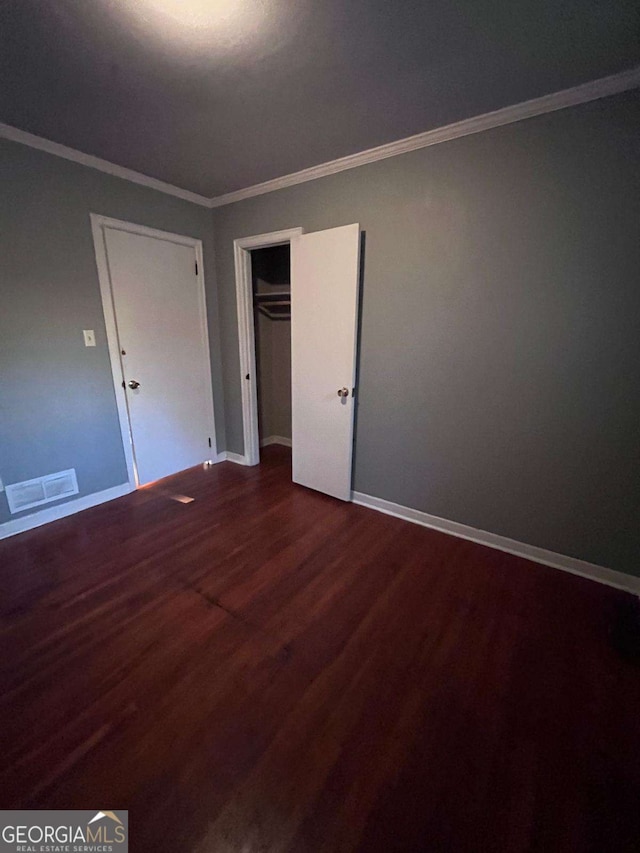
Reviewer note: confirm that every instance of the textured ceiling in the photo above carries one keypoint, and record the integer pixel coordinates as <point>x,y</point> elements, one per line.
<point>216,95</point>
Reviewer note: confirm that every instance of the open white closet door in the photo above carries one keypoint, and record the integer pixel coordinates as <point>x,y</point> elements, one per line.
<point>324,313</point>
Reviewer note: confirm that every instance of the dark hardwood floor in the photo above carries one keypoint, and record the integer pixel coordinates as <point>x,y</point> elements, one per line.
<point>269,669</point>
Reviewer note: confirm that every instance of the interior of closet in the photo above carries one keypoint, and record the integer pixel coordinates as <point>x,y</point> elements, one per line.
<point>271,277</point>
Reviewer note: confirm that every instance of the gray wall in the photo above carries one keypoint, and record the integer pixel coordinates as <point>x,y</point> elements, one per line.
<point>499,366</point>
<point>274,376</point>
<point>57,404</point>
<point>280,423</point>
<point>271,273</point>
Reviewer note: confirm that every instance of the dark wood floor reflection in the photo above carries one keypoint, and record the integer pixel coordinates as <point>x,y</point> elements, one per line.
<point>268,669</point>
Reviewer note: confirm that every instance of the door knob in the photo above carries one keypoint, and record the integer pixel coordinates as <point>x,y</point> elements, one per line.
<point>133,384</point>
<point>343,392</point>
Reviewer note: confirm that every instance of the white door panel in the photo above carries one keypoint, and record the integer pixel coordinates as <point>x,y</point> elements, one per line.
<point>159,317</point>
<point>324,311</point>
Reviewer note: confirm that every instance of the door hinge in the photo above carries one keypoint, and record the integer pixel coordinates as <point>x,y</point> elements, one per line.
<point>209,442</point>
<point>196,268</point>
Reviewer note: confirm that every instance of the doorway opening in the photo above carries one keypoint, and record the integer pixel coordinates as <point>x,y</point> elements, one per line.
<point>324,275</point>
<point>271,284</point>
<point>243,250</point>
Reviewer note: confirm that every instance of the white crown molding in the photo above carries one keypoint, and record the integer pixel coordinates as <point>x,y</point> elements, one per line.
<point>582,94</point>
<point>601,88</point>
<point>44,516</point>
<point>15,135</point>
<point>593,572</point>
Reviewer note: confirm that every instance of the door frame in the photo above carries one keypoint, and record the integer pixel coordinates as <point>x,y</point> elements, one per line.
<point>247,336</point>
<point>98,225</point>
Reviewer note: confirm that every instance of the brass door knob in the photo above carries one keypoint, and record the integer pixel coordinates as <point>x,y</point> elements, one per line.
<point>133,384</point>
<point>343,392</point>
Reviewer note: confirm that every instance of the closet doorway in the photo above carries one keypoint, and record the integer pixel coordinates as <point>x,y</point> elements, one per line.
<point>321,306</point>
<point>242,249</point>
<point>271,287</point>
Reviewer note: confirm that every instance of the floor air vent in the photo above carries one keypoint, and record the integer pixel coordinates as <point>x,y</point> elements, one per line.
<point>41,490</point>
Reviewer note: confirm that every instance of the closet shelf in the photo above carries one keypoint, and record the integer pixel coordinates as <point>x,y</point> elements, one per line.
<point>275,306</point>
<point>273,294</point>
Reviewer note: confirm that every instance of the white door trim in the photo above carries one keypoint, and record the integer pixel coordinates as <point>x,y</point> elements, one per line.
<point>98,225</point>
<point>246,333</point>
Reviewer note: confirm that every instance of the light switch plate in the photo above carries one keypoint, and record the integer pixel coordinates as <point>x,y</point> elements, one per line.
<point>89,337</point>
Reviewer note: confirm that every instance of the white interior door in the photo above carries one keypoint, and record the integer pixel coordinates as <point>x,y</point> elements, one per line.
<point>324,311</point>
<point>161,324</point>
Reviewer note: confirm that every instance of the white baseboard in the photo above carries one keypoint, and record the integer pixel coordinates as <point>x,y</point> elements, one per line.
<point>610,577</point>
<point>36,519</point>
<point>239,459</point>
<point>228,456</point>
<point>276,439</point>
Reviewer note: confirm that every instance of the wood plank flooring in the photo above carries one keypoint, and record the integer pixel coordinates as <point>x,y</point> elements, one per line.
<point>268,669</point>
